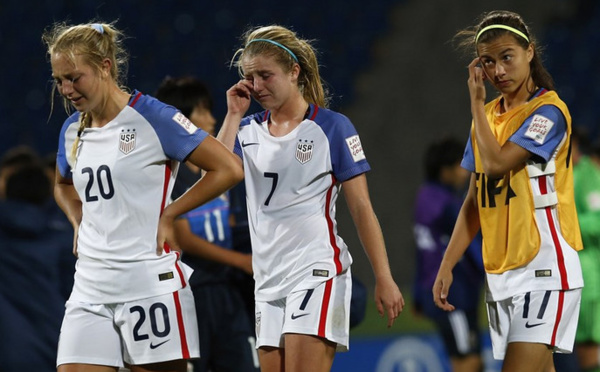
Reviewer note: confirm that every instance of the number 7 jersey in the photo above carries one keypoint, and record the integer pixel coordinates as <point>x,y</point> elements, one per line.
<point>123,174</point>
<point>292,184</point>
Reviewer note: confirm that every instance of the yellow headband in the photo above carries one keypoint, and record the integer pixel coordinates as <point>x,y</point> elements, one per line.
<point>511,29</point>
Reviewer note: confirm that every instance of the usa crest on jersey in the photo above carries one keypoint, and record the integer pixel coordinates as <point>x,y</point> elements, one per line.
<point>127,141</point>
<point>304,151</point>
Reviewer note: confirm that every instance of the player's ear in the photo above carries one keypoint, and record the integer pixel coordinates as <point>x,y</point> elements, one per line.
<point>295,72</point>
<point>105,68</point>
<point>530,52</point>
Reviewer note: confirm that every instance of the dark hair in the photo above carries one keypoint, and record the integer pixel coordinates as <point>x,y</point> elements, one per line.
<point>29,183</point>
<point>16,156</point>
<point>595,151</point>
<point>468,41</point>
<point>581,136</point>
<point>440,154</point>
<point>184,93</point>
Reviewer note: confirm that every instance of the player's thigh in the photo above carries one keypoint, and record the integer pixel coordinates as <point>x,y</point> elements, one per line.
<point>308,353</point>
<point>170,366</point>
<point>527,357</point>
<point>537,317</point>
<point>88,338</point>
<point>272,359</point>
<point>159,329</point>
<point>269,324</point>
<point>323,311</point>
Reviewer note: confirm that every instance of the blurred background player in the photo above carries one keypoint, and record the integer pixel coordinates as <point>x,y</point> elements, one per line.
<point>436,208</point>
<point>586,178</point>
<point>13,159</point>
<point>35,280</point>
<point>227,340</point>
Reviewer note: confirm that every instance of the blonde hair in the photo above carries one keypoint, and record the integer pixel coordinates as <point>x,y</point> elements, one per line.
<point>309,80</point>
<point>94,42</point>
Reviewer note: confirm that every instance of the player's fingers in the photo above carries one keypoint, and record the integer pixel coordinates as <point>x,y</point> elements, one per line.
<point>474,62</point>
<point>401,305</point>
<point>160,244</point>
<point>471,67</point>
<point>444,295</point>
<point>380,308</point>
<point>392,315</point>
<point>436,292</point>
<point>172,245</point>
<point>444,290</point>
<point>244,86</point>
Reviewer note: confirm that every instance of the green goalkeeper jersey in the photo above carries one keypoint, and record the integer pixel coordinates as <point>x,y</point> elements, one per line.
<point>586,176</point>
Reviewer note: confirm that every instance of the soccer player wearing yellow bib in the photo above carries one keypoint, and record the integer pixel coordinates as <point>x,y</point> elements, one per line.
<point>521,197</point>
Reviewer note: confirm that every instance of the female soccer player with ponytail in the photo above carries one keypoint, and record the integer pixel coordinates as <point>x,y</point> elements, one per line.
<point>117,160</point>
<point>521,196</point>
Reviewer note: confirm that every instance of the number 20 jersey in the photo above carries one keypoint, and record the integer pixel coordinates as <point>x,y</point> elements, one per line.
<point>292,184</point>
<point>123,174</point>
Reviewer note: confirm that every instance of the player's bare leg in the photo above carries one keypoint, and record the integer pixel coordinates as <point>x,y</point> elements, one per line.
<point>171,366</point>
<point>528,357</point>
<point>468,363</point>
<point>308,353</point>
<point>588,355</point>
<point>271,359</point>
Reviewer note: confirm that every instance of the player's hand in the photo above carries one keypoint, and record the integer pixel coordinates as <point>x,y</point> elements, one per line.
<point>247,264</point>
<point>476,81</point>
<point>388,299</point>
<point>165,236</point>
<point>239,97</point>
<point>441,287</point>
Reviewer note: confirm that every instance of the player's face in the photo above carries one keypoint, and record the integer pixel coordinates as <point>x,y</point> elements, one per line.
<point>271,85</point>
<point>77,81</point>
<point>506,63</point>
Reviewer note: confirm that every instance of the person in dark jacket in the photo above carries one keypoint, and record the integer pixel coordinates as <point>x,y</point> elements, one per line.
<point>32,272</point>
<point>436,208</point>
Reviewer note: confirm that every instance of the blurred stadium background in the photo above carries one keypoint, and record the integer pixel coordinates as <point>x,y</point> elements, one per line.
<point>390,65</point>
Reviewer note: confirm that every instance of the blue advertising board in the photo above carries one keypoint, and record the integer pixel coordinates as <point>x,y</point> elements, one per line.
<point>406,353</point>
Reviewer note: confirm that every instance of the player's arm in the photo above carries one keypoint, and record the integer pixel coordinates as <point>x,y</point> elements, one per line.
<point>496,160</point>
<point>238,102</point>
<point>222,171</point>
<point>193,244</point>
<point>467,225</point>
<point>387,295</point>
<point>68,200</point>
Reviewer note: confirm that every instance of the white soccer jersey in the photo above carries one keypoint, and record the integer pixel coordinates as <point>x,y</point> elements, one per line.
<point>292,183</point>
<point>556,265</point>
<point>124,173</point>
